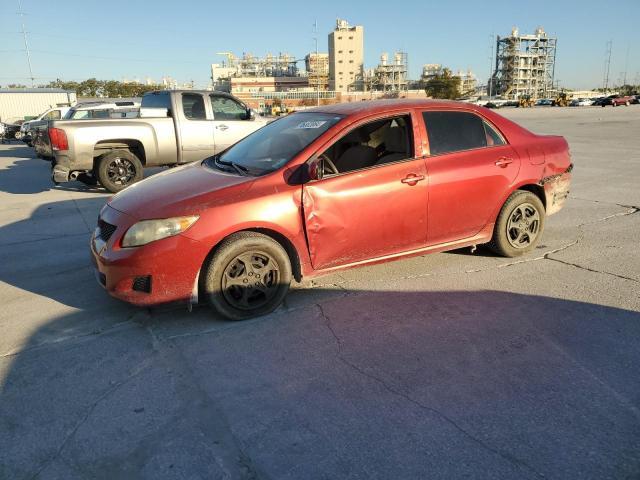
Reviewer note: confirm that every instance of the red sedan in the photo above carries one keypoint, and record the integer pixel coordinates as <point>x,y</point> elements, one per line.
<point>325,189</point>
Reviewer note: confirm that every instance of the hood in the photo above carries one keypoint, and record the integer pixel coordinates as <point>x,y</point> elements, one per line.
<point>185,190</point>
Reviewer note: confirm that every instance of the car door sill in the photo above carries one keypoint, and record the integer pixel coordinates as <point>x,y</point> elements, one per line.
<point>483,236</point>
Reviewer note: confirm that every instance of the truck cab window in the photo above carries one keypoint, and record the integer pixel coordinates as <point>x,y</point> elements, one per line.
<point>193,106</point>
<point>227,109</point>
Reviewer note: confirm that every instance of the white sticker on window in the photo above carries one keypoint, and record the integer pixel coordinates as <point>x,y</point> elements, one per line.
<point>312,124</point>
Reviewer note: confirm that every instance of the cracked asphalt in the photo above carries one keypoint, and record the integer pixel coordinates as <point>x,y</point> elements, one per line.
<point>451,365</point>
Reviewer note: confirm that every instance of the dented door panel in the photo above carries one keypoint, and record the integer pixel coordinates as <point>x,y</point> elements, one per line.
<point>366,214</point>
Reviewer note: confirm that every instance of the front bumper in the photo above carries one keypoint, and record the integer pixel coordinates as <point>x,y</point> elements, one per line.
<point>172,264</point>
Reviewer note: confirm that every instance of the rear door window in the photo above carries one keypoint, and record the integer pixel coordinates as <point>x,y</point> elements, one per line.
<point>450,132</point>
<point>193,106</point>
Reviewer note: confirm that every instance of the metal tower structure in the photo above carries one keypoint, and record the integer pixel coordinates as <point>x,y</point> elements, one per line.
<point>525,65</point>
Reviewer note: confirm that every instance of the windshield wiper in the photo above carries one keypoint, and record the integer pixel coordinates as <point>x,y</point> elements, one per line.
<point>243,171</point>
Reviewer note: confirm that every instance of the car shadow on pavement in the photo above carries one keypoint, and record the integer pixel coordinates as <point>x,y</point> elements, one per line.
<point>338,383</point>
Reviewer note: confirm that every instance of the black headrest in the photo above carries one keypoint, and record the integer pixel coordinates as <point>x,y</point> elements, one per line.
<point>356,157</point>
<point>395,140</point>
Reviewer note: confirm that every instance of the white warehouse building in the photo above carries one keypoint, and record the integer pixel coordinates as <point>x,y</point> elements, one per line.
<point>22,104</point>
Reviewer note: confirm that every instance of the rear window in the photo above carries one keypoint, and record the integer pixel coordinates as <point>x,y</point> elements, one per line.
<point>156,100</point>
<point>454,131</point>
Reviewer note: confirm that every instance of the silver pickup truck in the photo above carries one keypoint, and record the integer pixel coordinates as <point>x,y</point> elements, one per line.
<point>174,127</point>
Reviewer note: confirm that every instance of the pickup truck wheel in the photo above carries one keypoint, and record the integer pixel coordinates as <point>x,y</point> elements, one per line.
<point>248,276</point>
<point>118,169</point>
<point>519,225</point>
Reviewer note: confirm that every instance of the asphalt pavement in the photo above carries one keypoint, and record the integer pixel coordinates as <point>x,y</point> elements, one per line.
<point>446,366</point>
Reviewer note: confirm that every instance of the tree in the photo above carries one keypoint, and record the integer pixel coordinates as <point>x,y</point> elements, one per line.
<point>16,85</point>
<point>104,88</point>
<point>443,85</point>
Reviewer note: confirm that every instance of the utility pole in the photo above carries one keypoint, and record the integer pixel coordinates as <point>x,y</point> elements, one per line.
<point>26,43</point>
<point>607,66</point>
<point>490,83</point>
<point>626,65</point>
<point>315,68</point>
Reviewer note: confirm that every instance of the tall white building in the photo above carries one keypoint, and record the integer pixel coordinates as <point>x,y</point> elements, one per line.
<point>346,57</point>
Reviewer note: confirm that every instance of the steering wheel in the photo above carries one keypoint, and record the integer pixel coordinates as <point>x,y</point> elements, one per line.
<point>332,170</point>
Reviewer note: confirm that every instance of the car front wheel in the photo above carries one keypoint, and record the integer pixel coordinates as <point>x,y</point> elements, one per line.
<point>248,276</point>
<point>519,225</point>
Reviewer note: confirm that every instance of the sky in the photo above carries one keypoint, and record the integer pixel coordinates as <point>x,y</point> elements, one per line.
<point>118,39</point>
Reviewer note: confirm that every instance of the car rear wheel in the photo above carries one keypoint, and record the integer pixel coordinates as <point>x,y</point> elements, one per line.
<point>118,169</point>
<point>248,276</point>
<point>519,225</point>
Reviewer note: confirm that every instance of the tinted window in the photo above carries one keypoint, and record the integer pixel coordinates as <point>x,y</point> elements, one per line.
<point>227,109</point>
<point>454,131</point>
<point>193,106</point>
<point>156,100</point>
<point>275,144</point>
<point>100,114</point>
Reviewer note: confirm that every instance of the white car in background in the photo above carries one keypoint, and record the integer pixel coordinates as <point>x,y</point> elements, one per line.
<point>581,102</point>
<point>54,113</point>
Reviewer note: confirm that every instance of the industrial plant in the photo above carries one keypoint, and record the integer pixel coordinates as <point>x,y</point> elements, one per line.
<point>524,65</point>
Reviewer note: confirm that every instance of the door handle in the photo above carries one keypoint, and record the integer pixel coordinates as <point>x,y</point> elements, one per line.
<point>503,162</point>
<point>412,179</point>
<point>222,127</point>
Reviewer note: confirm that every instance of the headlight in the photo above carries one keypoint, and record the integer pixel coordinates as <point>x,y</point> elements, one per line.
<point>147,231</point>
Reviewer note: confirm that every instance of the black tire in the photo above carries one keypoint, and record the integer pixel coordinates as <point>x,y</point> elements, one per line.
<point>225,274</point>
<point>117,170</point>
<point>519,225</point>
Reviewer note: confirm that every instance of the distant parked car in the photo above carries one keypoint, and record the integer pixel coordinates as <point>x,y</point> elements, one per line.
<point>296,199</point>
<point>636,99</point>
<point>581,102</point>
<point>55,113</point>
<point>10,130</point>
<point>544,102</point>
<point>616,100</point>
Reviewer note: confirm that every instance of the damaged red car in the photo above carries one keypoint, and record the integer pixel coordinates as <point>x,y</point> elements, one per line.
<point>329,188</point>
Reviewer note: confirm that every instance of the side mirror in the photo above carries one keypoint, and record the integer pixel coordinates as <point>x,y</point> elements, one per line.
<point>251,115</point>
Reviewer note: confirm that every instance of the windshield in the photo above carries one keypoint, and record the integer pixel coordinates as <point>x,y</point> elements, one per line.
<point>275,144</point>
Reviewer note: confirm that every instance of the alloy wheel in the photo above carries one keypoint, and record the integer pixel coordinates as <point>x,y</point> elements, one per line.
<point>523,225</point>
<point>250,280</point>
<point>121,171</point>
